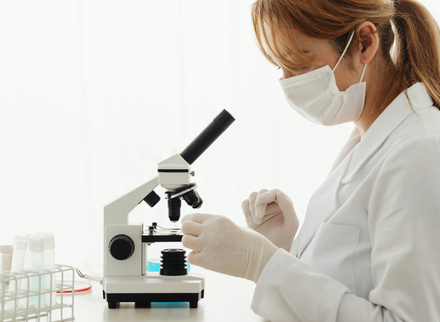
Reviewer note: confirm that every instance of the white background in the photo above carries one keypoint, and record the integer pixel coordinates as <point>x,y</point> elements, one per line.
<point>93,94</point>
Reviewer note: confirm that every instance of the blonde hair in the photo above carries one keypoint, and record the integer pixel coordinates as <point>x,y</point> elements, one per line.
<point>417,48</point>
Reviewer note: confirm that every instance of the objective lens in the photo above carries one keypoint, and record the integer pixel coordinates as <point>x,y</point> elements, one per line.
<point>174,209</point>
<point>193,199</point>
<point>152,199</point>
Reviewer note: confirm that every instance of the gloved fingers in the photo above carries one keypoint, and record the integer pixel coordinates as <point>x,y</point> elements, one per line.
<point>190,227</point>
<point>195,258</point>
<point>252,211</point>
<point>252,198</point>
<point>261,205</point>
<point>245,205</point>
<point>224,247</point>
<point>290,218</point>
<point>284,201</point>
<point>192,242</point>
<point>199,218</point>
<point>279,197</point>
<point>268,197</point>
<point>286,205</point>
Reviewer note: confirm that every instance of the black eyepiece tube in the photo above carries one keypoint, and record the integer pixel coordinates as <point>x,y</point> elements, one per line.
<point>207,137</point>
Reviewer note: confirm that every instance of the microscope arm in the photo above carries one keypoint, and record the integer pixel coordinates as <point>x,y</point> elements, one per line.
<point>117,211</point>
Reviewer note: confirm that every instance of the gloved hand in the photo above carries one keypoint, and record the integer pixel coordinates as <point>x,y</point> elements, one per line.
<point>271,213</point>
<point>220,245</point>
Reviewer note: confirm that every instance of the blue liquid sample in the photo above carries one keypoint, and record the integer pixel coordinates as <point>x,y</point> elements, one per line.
<point>153,265</point>
<point>169,304</point>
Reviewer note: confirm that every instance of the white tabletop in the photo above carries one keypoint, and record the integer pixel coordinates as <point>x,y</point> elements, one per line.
<point>226,299</point>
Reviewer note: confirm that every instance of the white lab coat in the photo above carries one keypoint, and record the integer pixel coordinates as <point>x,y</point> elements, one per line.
<point>369,248</point>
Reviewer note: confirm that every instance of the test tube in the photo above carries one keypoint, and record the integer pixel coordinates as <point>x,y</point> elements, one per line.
<point>48,267</point>
<point>17,265</point>
<point>34,263</point>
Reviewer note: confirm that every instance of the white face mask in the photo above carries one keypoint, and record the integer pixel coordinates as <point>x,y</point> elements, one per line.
<point>316,96</point>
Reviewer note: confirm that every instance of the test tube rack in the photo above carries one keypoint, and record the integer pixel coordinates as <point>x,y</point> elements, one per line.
<point>37,296</point>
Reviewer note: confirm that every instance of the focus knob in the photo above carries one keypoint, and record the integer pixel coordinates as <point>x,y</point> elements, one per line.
<point>121,247</point>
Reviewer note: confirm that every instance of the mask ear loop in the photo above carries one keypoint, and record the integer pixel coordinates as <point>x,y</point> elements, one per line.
<point>363,72</point>
<point>345,50</point>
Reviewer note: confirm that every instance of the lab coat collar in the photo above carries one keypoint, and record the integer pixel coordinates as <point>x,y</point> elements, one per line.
<point>385,124</point>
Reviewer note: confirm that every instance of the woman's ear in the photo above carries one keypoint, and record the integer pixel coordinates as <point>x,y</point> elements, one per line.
<point>368,41</point>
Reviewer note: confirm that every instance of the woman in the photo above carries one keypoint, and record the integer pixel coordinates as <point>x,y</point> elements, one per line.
<point>369,247</point>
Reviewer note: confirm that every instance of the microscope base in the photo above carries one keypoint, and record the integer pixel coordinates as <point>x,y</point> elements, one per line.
<point>143,300</point>
<point>153,287</point>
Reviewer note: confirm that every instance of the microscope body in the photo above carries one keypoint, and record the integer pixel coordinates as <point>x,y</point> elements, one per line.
<point>126,278</point>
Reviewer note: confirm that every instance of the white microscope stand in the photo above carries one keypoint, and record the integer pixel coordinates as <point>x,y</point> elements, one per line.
<point>126,280</point>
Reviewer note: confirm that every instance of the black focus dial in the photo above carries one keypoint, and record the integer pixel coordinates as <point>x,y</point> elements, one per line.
<point>121,247</point>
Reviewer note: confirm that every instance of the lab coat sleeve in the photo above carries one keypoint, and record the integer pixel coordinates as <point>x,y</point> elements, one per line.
<point>290,290</point>
<point>404,225</point>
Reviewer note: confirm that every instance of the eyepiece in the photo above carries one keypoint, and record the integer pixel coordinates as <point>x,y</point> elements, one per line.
<point>207,137</point>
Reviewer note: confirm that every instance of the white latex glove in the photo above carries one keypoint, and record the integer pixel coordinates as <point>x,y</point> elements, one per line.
<point>220,245</point>
<point>271,213</point>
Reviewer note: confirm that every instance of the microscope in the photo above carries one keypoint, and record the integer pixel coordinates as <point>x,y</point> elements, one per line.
<point>125,245</point>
